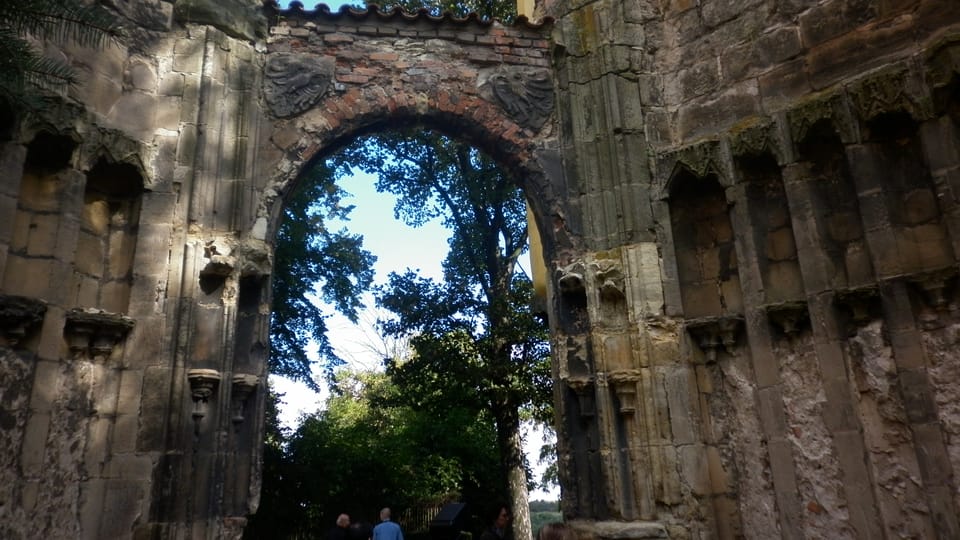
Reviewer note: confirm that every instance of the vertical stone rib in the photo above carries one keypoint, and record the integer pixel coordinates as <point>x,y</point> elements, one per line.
<point>840,419</point>
<point>765,365</point>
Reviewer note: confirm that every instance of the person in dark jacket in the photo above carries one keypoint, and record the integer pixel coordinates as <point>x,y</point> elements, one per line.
<point>340,531</point>
<point>500,525</point>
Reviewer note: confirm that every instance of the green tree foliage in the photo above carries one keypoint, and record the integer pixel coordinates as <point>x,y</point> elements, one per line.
<point>23,69</point>
<point>366,450</point>
<point>476,342</point>
<point>314,264</point>
<point>504,11</point>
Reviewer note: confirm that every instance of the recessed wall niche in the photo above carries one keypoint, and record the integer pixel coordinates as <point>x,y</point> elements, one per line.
<point>920,240</point>
<point>44,195</point>
<point>103,265</point>
<point>705,251</point>
<point>835,209</point>
<point>772,228</point>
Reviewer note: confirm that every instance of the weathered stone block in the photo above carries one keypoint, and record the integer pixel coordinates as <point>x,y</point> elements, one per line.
<point>90,255</point>
<point>839,413</point>
<point>682,398</point>
<point>834,18</point>
<point>29,277</point>
<point>695,468</point>
<point>772,418</point>
<point>86,291</point>
<point>34,443</point>
<point>784,84</point>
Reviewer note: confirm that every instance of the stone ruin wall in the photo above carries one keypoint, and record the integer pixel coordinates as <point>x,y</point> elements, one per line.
<point>797,377</point>
<point>750,224</point>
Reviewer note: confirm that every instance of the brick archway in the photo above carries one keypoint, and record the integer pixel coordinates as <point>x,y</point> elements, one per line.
<point>481,82</point>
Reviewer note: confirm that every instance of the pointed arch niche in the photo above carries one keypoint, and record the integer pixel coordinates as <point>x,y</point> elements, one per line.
<point>38,239</point>
<point>107,240</point>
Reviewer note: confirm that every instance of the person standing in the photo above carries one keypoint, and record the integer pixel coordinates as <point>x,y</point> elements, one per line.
<point>386,529</point>
<point>500,528</point>
<point>339,531</point>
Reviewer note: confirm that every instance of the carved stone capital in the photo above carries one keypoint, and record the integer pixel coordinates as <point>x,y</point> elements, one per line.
<point>710,333</point>
<point>293,83</point>
<point>94,332</point>
<point>18,315</point>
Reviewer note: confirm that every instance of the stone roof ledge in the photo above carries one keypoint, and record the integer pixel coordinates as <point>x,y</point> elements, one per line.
<point>323,11</point>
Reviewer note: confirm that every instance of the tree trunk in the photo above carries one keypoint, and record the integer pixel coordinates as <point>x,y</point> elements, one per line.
<point>511,455</point>
<point>519,497</point>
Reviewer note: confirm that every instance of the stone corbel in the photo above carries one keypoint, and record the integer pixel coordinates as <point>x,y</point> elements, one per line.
<point>583,387</point>
<point>94,332</point>
<point>934,285</point>
<point>18,315</point>
<point>790,317</point>
<point>624,383</point>
<point>710,333</point>
<point>860,303</point>
<point>243,386</point>
<point>203,384</point>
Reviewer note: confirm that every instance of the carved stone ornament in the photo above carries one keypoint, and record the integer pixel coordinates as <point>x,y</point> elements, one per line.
<point>570,279</point>
<point>890,91</point>
<point>610,281</point>
<point>710,333</point>
<point>832,109</point>
<point>294,83</point>
<point>943,62</point>
<point>525,94</point>
<point>94,332</point>
<point>757,139</point>
<point>203,383</point>
<point>701,160</point>
<point>18,315</point>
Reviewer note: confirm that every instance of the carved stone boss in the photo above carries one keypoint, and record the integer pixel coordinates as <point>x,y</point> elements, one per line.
<point>525,94</point>
<point>295,82</point>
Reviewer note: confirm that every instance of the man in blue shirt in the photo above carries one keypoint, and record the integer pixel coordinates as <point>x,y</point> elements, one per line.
<point>387,530</point>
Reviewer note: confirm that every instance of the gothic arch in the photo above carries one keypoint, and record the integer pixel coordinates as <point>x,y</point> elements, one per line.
<point>505,142</point>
